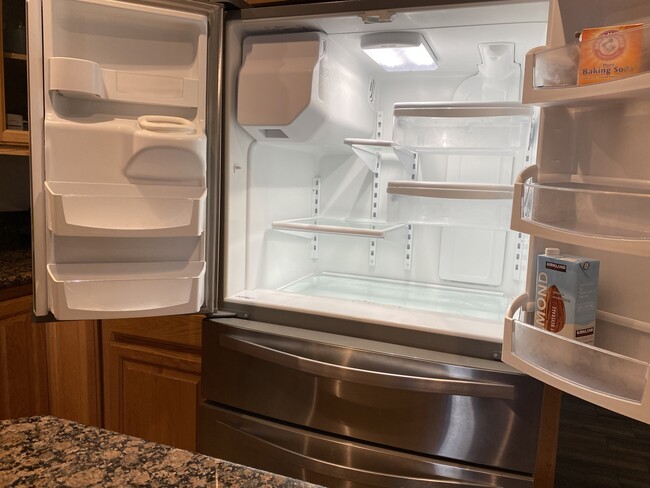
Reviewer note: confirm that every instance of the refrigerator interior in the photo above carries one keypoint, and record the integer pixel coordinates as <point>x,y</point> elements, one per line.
<point>589,196</point>
<point>375,195</point>
<point>119,158</point>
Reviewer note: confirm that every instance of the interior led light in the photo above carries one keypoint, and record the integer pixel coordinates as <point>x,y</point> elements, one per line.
<point>399,51</point>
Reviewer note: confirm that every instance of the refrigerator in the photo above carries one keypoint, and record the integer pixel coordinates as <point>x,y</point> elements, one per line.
<point>355,194</point>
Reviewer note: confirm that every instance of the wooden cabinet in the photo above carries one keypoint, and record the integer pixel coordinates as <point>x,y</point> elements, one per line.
<point>23,363</point>
<point>73,371</point>
<point>47,369</point>
<point>152,369</point>
<point>14,137</point>
<point>138,376</point>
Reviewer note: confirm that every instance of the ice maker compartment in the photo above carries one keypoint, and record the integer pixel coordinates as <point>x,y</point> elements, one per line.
<point>301,87</point>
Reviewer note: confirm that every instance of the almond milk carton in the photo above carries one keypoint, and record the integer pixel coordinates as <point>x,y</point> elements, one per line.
<point>565,295</point>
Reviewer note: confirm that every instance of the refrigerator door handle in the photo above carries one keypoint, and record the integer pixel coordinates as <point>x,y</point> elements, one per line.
<point>349,473</point>
<point>443,386</point>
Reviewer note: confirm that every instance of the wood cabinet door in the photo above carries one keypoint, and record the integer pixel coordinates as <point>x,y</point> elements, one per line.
<point>152,370</point>
<point>23,361</point>
<point>73,369</point>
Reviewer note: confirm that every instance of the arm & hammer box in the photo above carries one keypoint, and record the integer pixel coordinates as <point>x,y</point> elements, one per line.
<point>607,53</point>
<point>566,294</point>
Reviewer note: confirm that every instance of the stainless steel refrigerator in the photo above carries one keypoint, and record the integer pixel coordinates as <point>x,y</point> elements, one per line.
<point>355,193</point>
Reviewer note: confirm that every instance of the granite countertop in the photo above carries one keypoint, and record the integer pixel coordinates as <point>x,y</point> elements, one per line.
<point>15,249</point>
<point>52,452</point>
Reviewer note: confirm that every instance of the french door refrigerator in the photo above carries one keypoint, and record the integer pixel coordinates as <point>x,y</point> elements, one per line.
<point>355,194</point>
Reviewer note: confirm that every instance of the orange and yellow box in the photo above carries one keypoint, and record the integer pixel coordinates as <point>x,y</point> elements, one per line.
<point>608,53</point>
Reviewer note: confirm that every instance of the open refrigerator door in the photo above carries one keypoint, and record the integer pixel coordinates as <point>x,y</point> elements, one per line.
<point>589,196</point>
<point>120,156</point>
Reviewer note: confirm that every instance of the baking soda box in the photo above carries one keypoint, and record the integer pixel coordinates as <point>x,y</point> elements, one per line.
<point>607,53</point>
<point>566,293</point>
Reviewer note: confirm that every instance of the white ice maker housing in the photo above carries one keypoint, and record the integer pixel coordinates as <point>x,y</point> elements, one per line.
<point>296,88</point>
<point>123,156</point>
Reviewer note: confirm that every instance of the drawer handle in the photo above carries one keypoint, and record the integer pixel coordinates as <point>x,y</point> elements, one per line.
<point>443,386</point>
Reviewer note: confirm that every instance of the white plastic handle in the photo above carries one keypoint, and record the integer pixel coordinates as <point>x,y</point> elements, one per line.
<point>167,124</point>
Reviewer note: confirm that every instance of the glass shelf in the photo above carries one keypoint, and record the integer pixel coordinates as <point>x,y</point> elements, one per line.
<point>479,206</point>
<point>371,150</point>
<point>373,146</point>
<point>405,294</point>
<point>322,225</point>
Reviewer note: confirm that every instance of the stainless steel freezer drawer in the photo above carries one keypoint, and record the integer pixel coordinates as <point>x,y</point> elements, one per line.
<point>331,461</point>
<point>460,408</point>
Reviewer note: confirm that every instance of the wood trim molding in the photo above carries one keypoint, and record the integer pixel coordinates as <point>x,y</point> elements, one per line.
<point>544,476</point>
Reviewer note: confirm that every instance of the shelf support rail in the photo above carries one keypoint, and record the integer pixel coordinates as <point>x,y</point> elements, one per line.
<point>315,212</point>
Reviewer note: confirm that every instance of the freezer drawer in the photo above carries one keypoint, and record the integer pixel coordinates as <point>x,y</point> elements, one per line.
<point>331,461</point>
<point>452,406</point>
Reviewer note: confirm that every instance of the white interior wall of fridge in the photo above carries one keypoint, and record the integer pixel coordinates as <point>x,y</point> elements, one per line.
<point>273,260</point>
<point>123,158</point>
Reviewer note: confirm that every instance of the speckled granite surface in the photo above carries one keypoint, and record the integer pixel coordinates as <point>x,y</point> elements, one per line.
<point>51,452</point>
<point>15,249</point>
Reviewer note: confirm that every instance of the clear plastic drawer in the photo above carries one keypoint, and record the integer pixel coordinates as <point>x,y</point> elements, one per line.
<point>422,126</point>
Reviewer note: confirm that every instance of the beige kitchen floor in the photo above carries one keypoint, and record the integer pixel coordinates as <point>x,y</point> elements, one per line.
<point>600,449</point>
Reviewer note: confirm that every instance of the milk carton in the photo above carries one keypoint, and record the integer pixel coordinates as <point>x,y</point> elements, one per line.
<point>565,295</point>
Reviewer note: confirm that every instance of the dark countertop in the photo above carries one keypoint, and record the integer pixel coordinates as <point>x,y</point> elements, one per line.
<point>15,268</point>
<point>51,452</point>
<point>15,249</point>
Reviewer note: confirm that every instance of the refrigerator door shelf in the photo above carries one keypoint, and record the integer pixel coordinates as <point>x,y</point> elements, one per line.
<point>613,374</point>
<point>112,210</point>
<point>479,206</point>
<point>551,77</point>
<point>463,126</point>
<point>114,290</point>
<point>584,211</point>
<point>81,78</point>
<point>344,227</point>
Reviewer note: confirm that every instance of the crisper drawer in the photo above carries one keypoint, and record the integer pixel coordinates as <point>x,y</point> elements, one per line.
<point>613,373</point>
<point>330,461</point>
<point>460,408</point>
